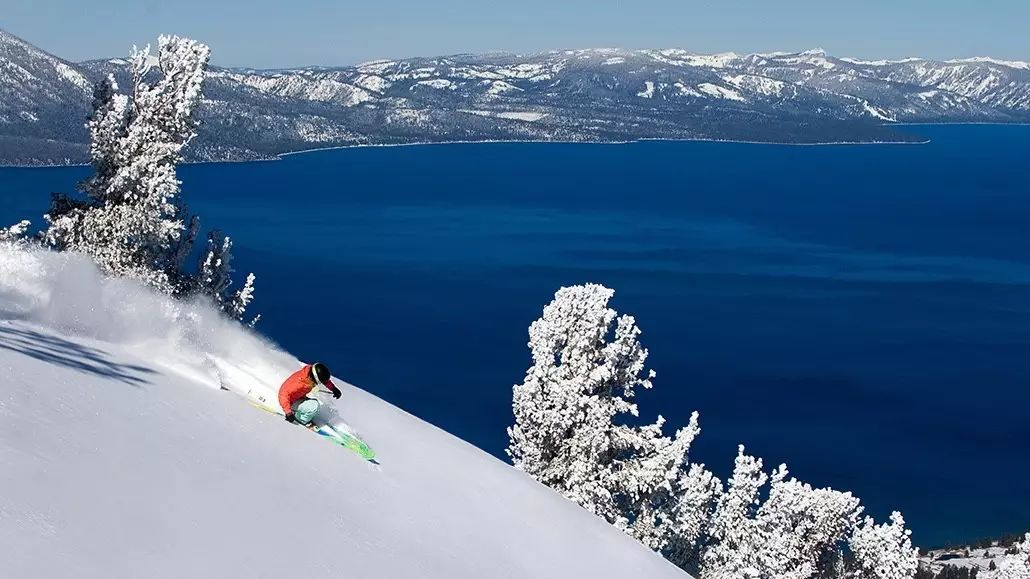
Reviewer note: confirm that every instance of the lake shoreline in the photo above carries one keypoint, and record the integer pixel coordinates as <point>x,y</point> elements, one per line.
<point>279,156</point>
<point>626,142</point>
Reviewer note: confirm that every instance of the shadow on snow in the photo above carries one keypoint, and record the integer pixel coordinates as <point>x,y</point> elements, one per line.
<point>54,350</point>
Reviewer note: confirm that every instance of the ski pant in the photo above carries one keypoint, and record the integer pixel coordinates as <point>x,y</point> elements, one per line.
<point>305,409</point>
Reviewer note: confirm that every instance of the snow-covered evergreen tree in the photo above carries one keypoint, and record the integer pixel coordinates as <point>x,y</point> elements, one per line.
<point>571,433</point>
<point>795,533</point>
<point>648,479</point>
<point>697,492</point>
<point>1013,566</point>
<point>567,432</point>
<point>731,534</point>
<point>214,277</point>
<point>133,221</point>
<point>883,551</point>
<point>803,527</point>
<point>15,233</point>
<point>214,272</point>
<point>237,306</point>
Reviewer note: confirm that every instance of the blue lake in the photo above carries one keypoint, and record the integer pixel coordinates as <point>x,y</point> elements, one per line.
<point>859,312</point>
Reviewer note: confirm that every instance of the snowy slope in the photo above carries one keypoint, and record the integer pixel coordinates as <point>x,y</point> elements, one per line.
<point>119,457</point>
<point>979,558</point>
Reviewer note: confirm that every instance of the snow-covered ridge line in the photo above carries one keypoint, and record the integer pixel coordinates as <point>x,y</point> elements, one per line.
<point>882,62</point>
<point>980,59</point>
<point>605,94</point>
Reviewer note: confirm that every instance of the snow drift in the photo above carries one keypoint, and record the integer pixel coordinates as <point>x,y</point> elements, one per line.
<point>120,457</point>
<point>65,292</point>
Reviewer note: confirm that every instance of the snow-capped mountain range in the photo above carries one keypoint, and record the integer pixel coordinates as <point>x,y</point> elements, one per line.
<point>572,95</point>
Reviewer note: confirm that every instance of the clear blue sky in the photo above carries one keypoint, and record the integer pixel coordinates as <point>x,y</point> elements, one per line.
<point>280,33</point>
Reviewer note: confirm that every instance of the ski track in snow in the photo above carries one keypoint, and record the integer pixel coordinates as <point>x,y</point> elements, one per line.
<point>121,457</point>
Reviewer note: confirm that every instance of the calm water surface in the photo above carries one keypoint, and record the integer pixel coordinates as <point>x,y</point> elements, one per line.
<point>859,312</point>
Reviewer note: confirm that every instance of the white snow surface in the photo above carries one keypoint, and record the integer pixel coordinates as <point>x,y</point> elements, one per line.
<point>372,82</point>
<point>757,84</point>
<point>686,90</point>
<point>528,116</point>
<point>878,113</point>
<point>679,57</point>
<point>881,62</point>
<point>120,457</point>
<point>980,59</point>
<point>714,90</point>
<point>498,87</point>
<point>979,558</point>
<point>439,83</point>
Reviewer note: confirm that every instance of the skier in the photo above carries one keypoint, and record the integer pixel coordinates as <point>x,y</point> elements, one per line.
<point>293,394</point>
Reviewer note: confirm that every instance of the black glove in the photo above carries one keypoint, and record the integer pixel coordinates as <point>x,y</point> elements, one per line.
<point>291,418</point>
<point>337,393</point>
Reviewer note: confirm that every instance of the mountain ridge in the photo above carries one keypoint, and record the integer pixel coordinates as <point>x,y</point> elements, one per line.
<point>584,95</point>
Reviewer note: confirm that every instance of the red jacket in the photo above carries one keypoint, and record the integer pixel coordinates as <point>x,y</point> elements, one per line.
<point>297,386</point>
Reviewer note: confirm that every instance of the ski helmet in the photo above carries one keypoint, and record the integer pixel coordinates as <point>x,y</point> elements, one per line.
<point>320,373</point>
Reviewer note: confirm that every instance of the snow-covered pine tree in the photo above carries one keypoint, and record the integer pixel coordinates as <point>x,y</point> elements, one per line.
<point>15,233</point>
<point>883,551</point>
<point>648,479</point>
<point>241,300</point>
<point>133,221</point>
<point>214,277</point>
<point>795,533</point>
<point>570,434</point>
<point>731,540</point>
<point>697,493</point>
<point>1013,566</point>
<point>566,432</point>
<point>803,527</point>
<point>107,127</point>
<point>564,408</point>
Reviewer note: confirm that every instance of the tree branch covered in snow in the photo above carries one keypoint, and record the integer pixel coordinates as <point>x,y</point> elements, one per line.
<point>15,233</point>
<point>883,551</point>
<point>214,277</point>
<point>795,533</point>
<point>133,221</point>
<point>573,432</point>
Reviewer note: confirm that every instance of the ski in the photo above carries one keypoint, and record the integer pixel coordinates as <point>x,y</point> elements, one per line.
<point>336,436</point>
